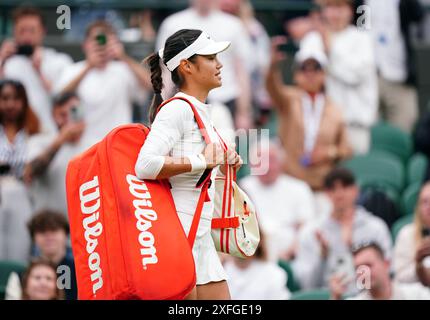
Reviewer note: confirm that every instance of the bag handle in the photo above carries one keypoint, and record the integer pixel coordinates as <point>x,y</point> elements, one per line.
<point>224,144</point>
<point>205,179</point>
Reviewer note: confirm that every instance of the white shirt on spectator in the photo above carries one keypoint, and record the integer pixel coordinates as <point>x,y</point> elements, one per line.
<point>390,47</point>
<point>351,73</point>
<point>261,280</point>
<point>404,255</point>
<point>48,191</point>
<point>401,291</point>
<point>106,97</point>
<point>53,64</point>
<point>280,207</point>
<point>221,27</point>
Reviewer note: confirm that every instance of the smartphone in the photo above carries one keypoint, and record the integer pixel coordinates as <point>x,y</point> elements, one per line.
<point>25,50</point>
<point>344,267</point>
<point>5,168</point>
<point>101,39</point>
<point>76,113</point>
<point>425,232</point>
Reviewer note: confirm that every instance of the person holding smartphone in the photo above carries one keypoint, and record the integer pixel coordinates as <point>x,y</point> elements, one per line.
<point>24,58</point>
<point>352,80</point>
<point>325,247</point>
<point>373,278</point>
<point>412,247</point>
<point>49,154</point>
<point>107,82</point>
<point>311,127</point>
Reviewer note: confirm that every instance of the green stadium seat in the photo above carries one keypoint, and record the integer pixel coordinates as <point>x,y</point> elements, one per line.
<point>319,294</point>
<point>6,268</point>
<point>410,198</point>
<point>399,224</point>
<point>292,284</point>
<point>388,138</point>
<point>378,168</point>
<point>416,168</point>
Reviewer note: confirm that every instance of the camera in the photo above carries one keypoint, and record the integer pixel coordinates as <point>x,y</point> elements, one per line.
<point>101,39</point>
<point>5,169</point>
<point>25,50</point>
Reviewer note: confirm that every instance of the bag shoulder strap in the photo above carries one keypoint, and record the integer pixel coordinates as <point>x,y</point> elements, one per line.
<point>204,181</point>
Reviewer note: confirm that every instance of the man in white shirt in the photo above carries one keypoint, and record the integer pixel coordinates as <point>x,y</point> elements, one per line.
<point>50,153</point>
<point>205,15</point>
<point>106,82</point>
<point>390,29</point>
<point>373,278</point>
<point>284,204</point>
<point>24,58</point>
<point>325,247</point>
<point>351,71</point>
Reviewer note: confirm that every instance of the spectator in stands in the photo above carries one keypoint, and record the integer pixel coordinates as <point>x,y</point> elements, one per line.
<point>351,69</point>
<point>49,154</point>
<point>49,231</point>
<point>237,61</point>
<point>311,127</point>
<point>40,282</point>
<point>256,278</point>
<point>412,248</point>
<point>106,82</point>
<point>373,277</point>
<point>297,23</point>
<point>325,247</point>
<point>391,26</point>
<point>17,124</point>
<point>284,204</point>
<point>260,43</point>
<point>24,58</point>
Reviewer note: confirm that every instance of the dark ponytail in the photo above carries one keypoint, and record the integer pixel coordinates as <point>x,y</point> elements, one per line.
<point>174,44</point>
<point>157,84</point>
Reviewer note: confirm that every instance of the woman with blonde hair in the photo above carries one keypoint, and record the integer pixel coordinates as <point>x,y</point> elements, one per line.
<point>413,243</point>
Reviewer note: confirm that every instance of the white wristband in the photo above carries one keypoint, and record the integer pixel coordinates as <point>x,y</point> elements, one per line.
<point>198,162</point>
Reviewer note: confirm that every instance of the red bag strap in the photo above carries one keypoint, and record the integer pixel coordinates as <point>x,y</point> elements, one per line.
<point>204,182</point>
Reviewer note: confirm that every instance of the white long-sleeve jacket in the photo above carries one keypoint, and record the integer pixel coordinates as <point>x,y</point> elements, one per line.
<point>175,133</point>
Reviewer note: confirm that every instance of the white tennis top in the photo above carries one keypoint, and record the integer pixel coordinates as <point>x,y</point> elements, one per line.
<point>175,133</point>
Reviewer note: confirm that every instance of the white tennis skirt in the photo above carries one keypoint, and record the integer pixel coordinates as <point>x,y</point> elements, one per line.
<point>206,259</point>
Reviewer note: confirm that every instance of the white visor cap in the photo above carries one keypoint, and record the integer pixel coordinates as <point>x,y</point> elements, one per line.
<point>203,45</point>
<point>306,54</point>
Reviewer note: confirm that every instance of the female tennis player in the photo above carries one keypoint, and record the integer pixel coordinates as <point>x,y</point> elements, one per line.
<point>174,148</point>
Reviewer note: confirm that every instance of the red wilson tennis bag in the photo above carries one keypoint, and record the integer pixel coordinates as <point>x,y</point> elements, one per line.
<point>127,239</point>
